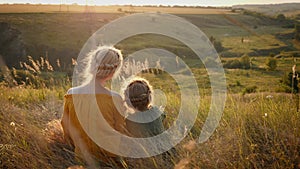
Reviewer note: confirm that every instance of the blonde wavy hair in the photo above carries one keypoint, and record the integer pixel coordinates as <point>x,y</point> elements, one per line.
<point>102,62</point>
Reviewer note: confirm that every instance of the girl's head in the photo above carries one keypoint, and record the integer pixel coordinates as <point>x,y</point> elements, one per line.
<point>138,94</point>
<point>104,62</point>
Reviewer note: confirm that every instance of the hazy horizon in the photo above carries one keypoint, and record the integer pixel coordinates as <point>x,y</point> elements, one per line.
<point>152,2</point>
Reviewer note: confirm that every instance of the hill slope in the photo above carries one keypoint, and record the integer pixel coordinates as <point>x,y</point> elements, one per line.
<point>288,9</point>
<point>61,35</point>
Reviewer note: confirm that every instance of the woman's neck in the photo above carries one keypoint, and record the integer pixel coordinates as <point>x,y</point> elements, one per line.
<point>100,82</point>
<point>100,86</point>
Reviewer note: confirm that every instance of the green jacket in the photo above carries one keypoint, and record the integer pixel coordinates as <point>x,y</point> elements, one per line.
<point>146,124</point>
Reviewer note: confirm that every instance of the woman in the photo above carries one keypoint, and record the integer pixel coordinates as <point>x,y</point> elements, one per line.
<point>79,116</point>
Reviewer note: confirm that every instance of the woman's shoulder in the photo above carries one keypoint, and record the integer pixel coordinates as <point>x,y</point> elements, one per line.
<point>83,90</point>
<point>78,90</point>
<point>86,89</point>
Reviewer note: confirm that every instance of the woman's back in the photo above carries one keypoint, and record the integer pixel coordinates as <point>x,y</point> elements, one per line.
<point>76,131</point>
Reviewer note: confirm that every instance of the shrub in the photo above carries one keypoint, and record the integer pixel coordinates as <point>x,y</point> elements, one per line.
<point>119,10</point>
<point>249,89</point>
<point>238,83</point>
<point>272,54</point>
<point>228,54</point>
<point>297,32</point>
<point>283,88</point>
<point>233,64</point>
<point>290,82</point>
<point>25,77</point>
<point>210,62</point>
<point>245,62</point>
<point>271,63</point>
<point>280,17</point>
<point>217,44</point>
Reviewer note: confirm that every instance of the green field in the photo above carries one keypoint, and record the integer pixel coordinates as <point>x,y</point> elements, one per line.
<point>260,123</point>
<point>62,35</point>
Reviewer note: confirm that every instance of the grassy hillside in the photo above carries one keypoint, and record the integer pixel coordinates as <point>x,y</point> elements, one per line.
<point>260,124</point>
<point>74,8</point>
<point>256,131</point>
<point>288,9</point>
<point>61,35</point>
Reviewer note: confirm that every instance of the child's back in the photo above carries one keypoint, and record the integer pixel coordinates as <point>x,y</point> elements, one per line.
<point>152,123</point>
<point>146,121</point>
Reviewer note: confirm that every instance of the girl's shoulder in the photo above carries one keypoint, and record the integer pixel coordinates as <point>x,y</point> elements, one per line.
<point>156,110</point>
<point>159,112</point>
<point>146,116</point>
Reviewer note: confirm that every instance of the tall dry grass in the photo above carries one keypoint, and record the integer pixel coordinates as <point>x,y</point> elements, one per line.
<point>30,133</point>
<point>256,131</point>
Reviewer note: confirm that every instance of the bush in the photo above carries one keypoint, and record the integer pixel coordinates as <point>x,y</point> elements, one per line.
<point>280,17</point>
<point>238,83</point>
<point>228,54</point>
<point>210,62</point>
<point>297,32</point>
<point>119,10</point>
<point>218,46</point>
<point>233,64</point>
<point>272,54</point>
<point>271,63</point>
<point>242,63</point>
<point>283,88</point>
<point>249,89</point>
<point>290,82</point>
<point>24,77</point>
<point>245,62</point>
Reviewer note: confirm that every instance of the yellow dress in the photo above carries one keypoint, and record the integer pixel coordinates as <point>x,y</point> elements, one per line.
<point>76,135</point>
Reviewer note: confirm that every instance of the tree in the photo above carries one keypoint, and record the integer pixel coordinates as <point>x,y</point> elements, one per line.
<point>217,44</point>
<point>280,17</point>
<point>271,63</point>
<point>119,10</point>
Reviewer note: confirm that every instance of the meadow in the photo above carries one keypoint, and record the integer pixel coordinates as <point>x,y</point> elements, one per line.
<point>259,130</point>
<point>259,127</point>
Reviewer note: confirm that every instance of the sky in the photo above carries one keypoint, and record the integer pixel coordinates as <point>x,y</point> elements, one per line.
<point>152,2</point>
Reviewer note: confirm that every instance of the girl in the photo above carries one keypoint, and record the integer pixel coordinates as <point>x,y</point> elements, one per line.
<point>146,120</point>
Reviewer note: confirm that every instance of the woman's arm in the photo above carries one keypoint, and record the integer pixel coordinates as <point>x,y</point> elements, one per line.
<point>119,116</point>
<point>65,122</point>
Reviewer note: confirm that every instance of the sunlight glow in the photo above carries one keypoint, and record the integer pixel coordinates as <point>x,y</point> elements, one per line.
<point>152,2</point>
